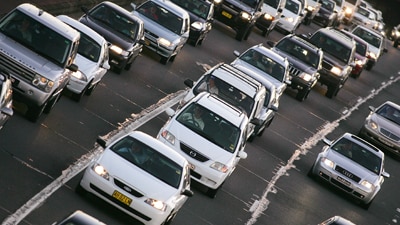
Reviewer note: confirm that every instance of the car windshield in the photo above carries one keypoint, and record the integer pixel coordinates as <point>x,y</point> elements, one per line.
<point>332,47</point>
<point>390,113</point>
<point>369,37</point>
<point>264,63</point>
<point>273,3</point>
<point>37,37</point>
<point>162,16</point>
<point>292,6</point>
<point>198,7</point>
<point>363,12</point>
<point>115,21</point>
<point>359,155</point>
<point>251,3</point>
<point>361,48</point>
<point>149,160</point>
<point>338,2</point>
<point>226,91</point>
<point>210,126</point>
<point>327,4</point>
<point>298,51</point>
<point>88,47</point>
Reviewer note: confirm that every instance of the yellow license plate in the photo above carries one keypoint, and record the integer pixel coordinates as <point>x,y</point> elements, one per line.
<point>226,14</point>
<point>122,198</point>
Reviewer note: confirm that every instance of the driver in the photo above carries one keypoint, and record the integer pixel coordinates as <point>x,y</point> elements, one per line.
<point>195,117</point>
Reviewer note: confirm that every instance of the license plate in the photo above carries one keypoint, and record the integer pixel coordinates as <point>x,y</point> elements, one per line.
<point>343,181</point>
<point>385,142</point>
<point>122,198</point>
<point>226,14</point>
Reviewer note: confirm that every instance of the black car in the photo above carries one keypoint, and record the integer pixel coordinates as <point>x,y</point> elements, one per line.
<point>120,28</point>
<point>395,35</point>
<point>6,110</point>
<point>339,52</point>
<point>240,15</point>
<point>326,15</point>
<point>305,61</point>
<point>201,18</point>
<point>79,218</point>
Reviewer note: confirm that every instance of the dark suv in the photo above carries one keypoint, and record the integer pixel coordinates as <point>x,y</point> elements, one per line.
<point>240,15</point>
<point>339,51</point>
<point>305,61</point>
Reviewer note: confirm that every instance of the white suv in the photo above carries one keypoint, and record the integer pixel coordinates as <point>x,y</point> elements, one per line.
<point>211,134</point>
<point>241,90</point>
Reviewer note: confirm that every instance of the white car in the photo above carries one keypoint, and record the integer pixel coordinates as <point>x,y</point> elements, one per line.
<point>211,134</point>
<point>291,16</point>
<point>166,26</point>
<point>140,176</point>
<point>92,59</point>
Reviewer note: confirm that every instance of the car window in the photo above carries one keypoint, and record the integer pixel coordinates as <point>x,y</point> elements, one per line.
<point>299,52</point>
<point>390,113</point>
<point>293,7</point>
<point>251,3</point>
<point>358,154</point>
<point>211,126</point>
<point>361,48</point>
<point>36,36</point>
<point>331,46</point>
<point>273,3</point>
<point>226,91</point>
<point>198,7</point>
<point>89,48</point>
<point>163,17</point>
<point>149,160</point>
<point>327,4</point>
<point>369,37</point>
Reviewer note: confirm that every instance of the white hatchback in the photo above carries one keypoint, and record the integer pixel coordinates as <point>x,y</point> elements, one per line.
<point>140,176</point>
<point>92,60</point>
<point>291,16</point>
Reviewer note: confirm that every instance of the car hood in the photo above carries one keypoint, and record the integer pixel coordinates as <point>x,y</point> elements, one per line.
<point>295,62</point>
<point>137,178</point>
<point>200,144</point>
<point>85,65</point>
<point>157,29</point>
<point>388,125</point>
<point>110,35</point>
<point>351,166</point>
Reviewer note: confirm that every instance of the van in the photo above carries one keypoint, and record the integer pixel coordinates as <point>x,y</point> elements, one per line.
<point>38,51</point>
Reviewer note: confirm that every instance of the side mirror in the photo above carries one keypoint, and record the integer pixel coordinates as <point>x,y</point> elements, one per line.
<point>7,111</point>
<point>101,142</point>
<point>170,112</point>
<point>280,10</point>
<point>73,67</point>
<point>236,53</point>
<point>188,193</point>
<point>189,83</point>
<point>242,154</point>
<point>271,43</point>
<point>371,108</point>
<point>133,5</point>
<point>327,141</point>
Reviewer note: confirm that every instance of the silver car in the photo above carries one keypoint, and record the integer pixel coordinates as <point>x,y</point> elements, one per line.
<point>382,127</point>
<point>166,27</point>
<point>352,165</point>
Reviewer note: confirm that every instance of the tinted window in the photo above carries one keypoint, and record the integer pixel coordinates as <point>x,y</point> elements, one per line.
<point>273,3</point>
<point>298,51</point>
<point>293,7</point>
<point>331,46</point>
<point>197,7</point>
<point>369,37</point>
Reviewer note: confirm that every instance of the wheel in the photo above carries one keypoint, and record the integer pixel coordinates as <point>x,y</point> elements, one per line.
<point>369,67</point>
<point>118,70</point>
<point>366,205</point>
<point>303,94</point>
<point>242,33</point>
<point>396,43</point>
<point>332,91</point>
<point>90,90</point>
<point>77,97</point>
<point>34,112</point>
<point>212,193</point>
<point>128,66</point>
<point>50,105</point>
<point>170,218</point>
<point>80,190</point>
<point>164,60</point>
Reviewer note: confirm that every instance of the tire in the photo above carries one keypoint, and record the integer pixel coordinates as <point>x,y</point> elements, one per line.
<point>78,97</point>
<point>170,218</point>
<point>164,60</point>
<point>366,205</point>
<point>80,190</point>
<point>242,33</point>
<point>396,43</point>
<point>369,67</point>
<point>50,104</point>
<point>34,112</point>
<point>89,91</point>
<point>212,193</point>
<point>332,91</point>
<point>303,94</point>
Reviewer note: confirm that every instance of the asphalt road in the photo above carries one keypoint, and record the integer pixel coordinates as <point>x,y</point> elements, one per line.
<point>36,155</point>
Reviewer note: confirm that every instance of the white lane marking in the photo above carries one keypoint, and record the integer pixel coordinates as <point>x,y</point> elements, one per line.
<point>130,124</point>
<point>260,205</point>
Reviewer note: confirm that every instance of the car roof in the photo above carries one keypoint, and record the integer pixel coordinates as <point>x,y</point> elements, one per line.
<point>355,37</point>
<point>372,31</point>
<point>172,7</point>
<point>339,36</point>
<point>82,28</point>
<point>303,42</point>
<point>363,142</point>
<point>394,105</point>
<point>271,54</point>
<point>80,218</point>
<point>119,9</point>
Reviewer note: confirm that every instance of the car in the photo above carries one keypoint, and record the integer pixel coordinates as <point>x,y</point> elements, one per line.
<point>361,56</point>
<point>363,16</point>
<point>239,15</point>
<point>140,176</point>
<point>201,18</point>
<point>337,220</point>
<point>92,60</point>
<point>376,44</point>
<point>382,127</point>
<point>291,17</point>
<point>312,9</point>
<point>305,62</point>
<point>6,100</point>
<point>352,165</point>
<point>241,90</point>
<point>79,218</point>
<point>340,13</point>
<point>121,29</point>
<point>211,134</point>
<point>395,35</point>
<point>278,75</point>
<point>166,26</point>
<point>326,16</point>
<point>339,51</point>
<point>271,14</point>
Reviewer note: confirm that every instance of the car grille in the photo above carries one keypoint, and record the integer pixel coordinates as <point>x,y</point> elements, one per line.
<point>347,174</point>
<point>15,68</point>
<point>193,153</point>
<point>390,134</point>
<point>126,188</point>
<point>293,71</point>
<point>153,35</point>
<point>326,65</point>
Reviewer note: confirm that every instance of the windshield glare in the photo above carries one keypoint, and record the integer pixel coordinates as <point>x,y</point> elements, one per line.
<point>299,52</point>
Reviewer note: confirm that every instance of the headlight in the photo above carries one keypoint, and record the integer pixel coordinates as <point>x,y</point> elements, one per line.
<point>268,17</point>
<point>156,204</point>
<point>289,19</point>
<point>164,42</point>
<point>42,83</point>
<point>305,76</point>
<point>373,125</point>
<point>328,162</point>
<point>348,11</point>
<point>79,75</point>
<point>366,184</point>
<point>245,16</point>
<point>336,70</point>
<point>101,171</point>
<point>360,62</point>
<point>197,25</point>
<point>219,166</point>
<point>119,50</point>
<point>217,1</point>
<point>397,33</point>
<point>168,136</point>
<point>310,8</point>
<point>372,55</point>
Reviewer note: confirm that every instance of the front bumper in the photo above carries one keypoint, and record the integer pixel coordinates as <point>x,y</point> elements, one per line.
<point>379,140</point>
